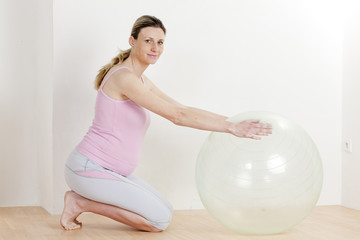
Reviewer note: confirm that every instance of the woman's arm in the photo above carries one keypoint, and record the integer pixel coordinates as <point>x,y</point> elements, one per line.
<point>158,92</point>
<point>151,98</point>
<point>168,99</point>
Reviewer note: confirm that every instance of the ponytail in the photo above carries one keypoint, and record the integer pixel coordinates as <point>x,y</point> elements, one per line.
<point>121,57</point>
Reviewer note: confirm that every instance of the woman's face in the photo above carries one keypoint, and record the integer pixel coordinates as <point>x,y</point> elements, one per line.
<point>149,45</point>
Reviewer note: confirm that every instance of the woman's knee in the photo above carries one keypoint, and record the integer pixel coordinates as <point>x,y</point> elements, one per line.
<point>154,229</point>
<point>158,226</point>
<point>162,222</point>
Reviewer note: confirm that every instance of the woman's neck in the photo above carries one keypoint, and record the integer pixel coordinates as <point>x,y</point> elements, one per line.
<point>137,67</point>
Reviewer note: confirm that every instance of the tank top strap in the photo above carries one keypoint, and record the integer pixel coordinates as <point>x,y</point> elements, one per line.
<point>108,76</point>
<point>142,79</point>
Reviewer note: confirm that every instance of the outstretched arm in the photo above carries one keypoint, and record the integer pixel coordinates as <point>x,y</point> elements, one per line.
<point>193,112</point>
<point>151,98</point>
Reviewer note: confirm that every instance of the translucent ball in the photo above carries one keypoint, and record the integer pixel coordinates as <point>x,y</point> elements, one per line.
<point>262,186</point>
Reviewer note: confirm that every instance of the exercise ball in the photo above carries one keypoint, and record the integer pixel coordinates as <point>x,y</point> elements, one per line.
<point>262,186</point>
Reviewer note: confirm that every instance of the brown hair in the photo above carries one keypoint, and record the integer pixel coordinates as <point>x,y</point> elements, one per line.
<point>140,23</point>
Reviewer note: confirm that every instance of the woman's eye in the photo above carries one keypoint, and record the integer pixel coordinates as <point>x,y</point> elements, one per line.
<point>147,41</point>
<point>160,43</point>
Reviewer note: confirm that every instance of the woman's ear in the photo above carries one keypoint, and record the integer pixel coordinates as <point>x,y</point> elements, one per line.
<point>132,41</point>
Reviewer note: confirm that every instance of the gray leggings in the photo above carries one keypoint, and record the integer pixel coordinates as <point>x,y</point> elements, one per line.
<point>130,193</point>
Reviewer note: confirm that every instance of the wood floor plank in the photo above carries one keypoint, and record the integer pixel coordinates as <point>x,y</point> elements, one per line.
<point>325,223</point>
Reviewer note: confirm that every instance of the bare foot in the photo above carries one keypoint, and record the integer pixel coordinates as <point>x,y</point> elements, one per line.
<point>71,211</point>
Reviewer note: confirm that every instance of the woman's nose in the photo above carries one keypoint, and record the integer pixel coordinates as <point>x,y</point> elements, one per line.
<point>154,47</point>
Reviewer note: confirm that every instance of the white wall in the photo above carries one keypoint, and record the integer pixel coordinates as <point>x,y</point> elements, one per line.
<point>44,103</point>
<point>18,161</point>
<point>351,109</point>
<point>227,57</point>
<point>281,56</point>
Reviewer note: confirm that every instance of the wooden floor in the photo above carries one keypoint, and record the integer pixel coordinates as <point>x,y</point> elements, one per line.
<point>325,223</point>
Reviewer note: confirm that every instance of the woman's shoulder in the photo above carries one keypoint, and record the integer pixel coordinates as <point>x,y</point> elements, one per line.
<point>119,72</point>
<point>122,76</point>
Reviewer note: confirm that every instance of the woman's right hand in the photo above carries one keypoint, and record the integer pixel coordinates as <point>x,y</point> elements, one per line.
<point>253,129</point>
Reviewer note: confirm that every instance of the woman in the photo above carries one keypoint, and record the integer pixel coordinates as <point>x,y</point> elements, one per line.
<point>99,170</point>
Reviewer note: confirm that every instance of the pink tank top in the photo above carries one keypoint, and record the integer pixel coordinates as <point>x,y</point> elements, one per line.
<point>115,138</point>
